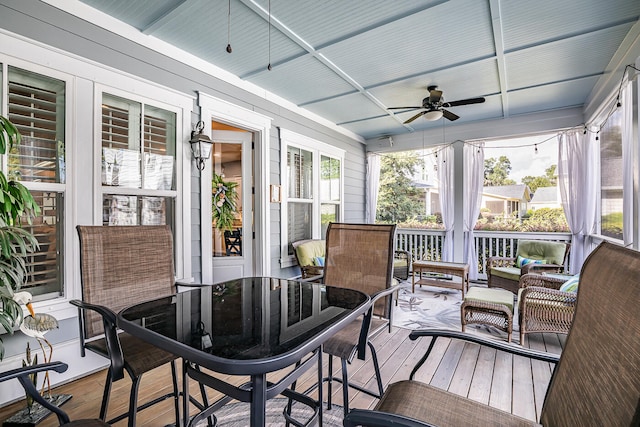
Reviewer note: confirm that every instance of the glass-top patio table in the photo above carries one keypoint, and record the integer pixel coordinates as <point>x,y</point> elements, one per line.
<point>250,326</point>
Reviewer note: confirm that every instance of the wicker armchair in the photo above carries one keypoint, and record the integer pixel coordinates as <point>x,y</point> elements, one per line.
<point>306,252</point>
<point>401,264</point>
<point>596,379</point>
<point>542,307</point>
<point>502,272</point>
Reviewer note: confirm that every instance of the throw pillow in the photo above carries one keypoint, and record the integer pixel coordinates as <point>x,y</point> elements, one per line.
<point>318,261</point>
<point>571,285</point>
<point>522,261</point>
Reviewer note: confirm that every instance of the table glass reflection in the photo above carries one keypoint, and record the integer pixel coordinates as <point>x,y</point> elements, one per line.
<point>248,326</point>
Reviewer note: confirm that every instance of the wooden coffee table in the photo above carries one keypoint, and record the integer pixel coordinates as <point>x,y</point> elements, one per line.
<point>452,268</point>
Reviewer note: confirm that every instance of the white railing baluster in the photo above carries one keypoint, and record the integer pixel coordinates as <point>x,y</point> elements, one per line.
<point>427,244</point>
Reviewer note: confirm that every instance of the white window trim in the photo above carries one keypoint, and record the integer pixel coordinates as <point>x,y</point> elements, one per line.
<point>182,197</point>
<point>216,109</point>
<point>81,75</point>
<point>318,149</point>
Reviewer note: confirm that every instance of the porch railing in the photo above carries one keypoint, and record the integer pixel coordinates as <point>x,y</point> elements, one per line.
<point>427,244</point>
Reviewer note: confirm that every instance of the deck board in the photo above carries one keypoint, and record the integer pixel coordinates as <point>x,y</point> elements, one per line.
<point>482,374</point>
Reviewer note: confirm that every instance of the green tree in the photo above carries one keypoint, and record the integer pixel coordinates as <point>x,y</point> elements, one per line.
<point>549,179</point>
<point>496,171</point>
<point>398,199</point>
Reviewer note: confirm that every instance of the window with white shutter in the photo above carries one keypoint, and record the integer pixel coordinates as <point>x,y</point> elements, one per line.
<point>312,172</point>
<point>138,162</point>
<point>36,105</point>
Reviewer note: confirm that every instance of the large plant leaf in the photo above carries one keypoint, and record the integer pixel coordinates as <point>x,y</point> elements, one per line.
<point>9,135</point>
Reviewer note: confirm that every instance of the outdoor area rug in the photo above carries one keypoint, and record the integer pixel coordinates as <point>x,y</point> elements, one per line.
<point>237,414</point>
<point>434,307</point>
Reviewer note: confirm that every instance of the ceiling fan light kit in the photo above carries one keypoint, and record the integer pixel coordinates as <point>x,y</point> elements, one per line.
<point>433,115</point>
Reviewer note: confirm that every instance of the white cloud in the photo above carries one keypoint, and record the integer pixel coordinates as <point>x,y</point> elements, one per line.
<point>521,153</point>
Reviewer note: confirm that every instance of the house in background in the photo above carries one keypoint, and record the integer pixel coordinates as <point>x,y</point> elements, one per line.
<point>545,197</point>
<point>506,200</point>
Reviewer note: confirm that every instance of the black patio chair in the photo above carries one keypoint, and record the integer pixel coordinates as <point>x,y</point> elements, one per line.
<point>359,256</point>
<point>120,266</point>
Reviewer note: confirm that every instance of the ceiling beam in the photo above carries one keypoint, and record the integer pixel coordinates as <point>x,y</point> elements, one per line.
<point>167,16</point>
<point>294,37</point>
<point>498,39</point>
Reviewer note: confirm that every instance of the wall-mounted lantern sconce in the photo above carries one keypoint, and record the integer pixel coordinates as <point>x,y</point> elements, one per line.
<point>200,145</point>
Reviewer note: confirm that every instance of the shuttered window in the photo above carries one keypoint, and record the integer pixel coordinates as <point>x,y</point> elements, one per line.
<point>300,201</point>
<point>36,105</point>
<point>138,162</point>
<point>314,187</point>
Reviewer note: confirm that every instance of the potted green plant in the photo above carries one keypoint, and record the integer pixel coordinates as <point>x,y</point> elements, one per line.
<point>16,205</point>
<point>224,202</point>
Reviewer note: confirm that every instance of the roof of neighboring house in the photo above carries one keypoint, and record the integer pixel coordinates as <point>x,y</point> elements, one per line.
<point>545,195</point>
<point>511,192</point>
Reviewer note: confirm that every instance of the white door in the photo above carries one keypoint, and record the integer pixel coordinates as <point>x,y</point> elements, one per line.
<point>232,205</point>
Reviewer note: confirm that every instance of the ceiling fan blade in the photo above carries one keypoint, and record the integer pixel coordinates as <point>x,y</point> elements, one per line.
<point>449,115</point>
<point>403,108</point>
<point>414,117</point>
<point>479,100</point>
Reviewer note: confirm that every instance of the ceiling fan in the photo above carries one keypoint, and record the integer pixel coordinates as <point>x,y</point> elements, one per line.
<point>434,106</point>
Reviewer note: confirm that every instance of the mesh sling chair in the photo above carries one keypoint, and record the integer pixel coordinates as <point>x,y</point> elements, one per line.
<point>359,256</point>
<point>120,266</point>
<point>596,380</point>
<point>23,376</point>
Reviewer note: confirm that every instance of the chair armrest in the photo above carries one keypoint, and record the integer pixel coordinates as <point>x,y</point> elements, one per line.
<point>370,418</point>
<point>313,279</point>
<point>383,293</point>
<point>103,311</point>
<point>538,294</point>
<point>309,271</point>
<point>25,371</point>
<point>22,375</point>
<point>109,322</point>
<point>499,261</point>
<point>539,268</point>
<point>540,280</point>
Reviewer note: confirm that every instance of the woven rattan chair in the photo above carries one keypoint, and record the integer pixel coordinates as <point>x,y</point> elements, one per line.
<point>23,376</point>
<point>542,307</point>
<point>401,264</point>
<point>359,256</point>
<point>305,252</point>
<point>121,266</point>
<point>503,272</point>
<point>596,381</point>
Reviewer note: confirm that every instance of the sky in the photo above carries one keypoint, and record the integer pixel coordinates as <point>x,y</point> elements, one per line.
<point>524,160</point>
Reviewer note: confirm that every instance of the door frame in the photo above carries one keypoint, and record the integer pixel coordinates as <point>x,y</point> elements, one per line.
<point>215,109</point>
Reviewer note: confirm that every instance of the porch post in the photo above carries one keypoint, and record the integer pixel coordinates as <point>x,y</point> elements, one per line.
<point>458,201</point>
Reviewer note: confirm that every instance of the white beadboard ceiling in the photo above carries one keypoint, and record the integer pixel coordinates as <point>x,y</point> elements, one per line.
<point>349,61</point>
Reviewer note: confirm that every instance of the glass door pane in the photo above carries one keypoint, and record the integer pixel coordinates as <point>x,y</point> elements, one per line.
<point>226,199</point>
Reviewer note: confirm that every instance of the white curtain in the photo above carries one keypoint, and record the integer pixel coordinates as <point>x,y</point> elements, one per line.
<point>445,176</point>
<point>373,184</point>
<point>473,184</point>
<point>626,99</point>
<point>578,190</point>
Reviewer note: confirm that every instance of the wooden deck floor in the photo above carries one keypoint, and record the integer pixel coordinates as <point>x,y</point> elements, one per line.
<point>513,384</point>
